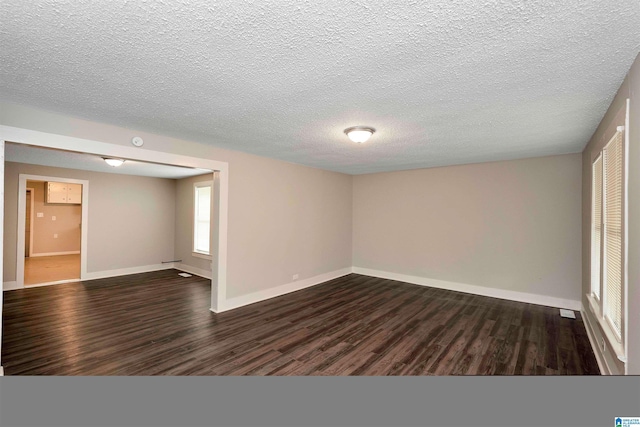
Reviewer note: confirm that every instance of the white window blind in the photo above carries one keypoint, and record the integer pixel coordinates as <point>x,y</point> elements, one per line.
<point>596,228</point>
<point>613,181</point>
<point>608,294</point>
<point>202,219</point>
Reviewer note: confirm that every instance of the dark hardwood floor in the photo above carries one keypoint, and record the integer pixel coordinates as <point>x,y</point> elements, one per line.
<point>159,324</point>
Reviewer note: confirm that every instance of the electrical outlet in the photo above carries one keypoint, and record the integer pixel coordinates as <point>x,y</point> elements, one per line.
<point>40,214</point>
<point>55,236</point>
<point>295,276</point>
<point>53,218</point>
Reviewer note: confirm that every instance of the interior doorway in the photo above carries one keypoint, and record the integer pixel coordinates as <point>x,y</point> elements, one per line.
<point>51,243</point>
<point>53,224</point>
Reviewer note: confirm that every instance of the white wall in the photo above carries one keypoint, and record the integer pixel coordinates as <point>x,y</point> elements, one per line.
<point>510,226</point>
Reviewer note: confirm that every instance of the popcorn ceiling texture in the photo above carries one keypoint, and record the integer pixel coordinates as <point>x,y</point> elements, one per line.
<point>444,82</point>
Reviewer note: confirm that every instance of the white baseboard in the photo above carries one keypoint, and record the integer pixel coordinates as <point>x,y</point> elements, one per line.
<point>602,363</point>
<point>10,286</point>
<point>266,294</point>
<point>130,270</point>
<point>193,270</point>
<point>473,289</point>
<point>54,253</point>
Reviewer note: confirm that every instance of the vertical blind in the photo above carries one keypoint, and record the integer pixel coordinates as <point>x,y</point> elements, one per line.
<point>613,181</point>
<point>596,227</point>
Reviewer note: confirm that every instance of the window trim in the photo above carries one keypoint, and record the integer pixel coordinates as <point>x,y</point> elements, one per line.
<point>617,342</point>
<point>201,255</point>
<point>597,296</point>
<point>625,231</point>
<point>194,252</point>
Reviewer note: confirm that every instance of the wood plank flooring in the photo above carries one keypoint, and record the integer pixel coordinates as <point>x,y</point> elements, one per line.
<point>159,324</point>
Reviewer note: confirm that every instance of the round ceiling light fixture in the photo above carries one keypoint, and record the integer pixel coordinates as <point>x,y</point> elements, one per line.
<point>359,134</point>
<point>113,162</point>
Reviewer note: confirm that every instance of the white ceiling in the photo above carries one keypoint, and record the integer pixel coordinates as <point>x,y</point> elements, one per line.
<point>22,153</point>
<point>444,82</point>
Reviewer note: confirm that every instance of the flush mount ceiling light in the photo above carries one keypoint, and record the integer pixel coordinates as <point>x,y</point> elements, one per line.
<point>359,134</point>
<point>113,162</point>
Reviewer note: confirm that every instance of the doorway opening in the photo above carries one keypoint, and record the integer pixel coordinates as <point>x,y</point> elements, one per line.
<point>53,223</point>
<point>51,214</point>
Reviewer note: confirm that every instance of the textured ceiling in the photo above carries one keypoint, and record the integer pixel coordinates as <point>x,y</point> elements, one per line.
<point>68,159</point>
<point>444,82</point>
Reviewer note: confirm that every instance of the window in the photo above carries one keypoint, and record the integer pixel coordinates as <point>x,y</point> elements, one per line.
<point>608,278</point>
<point>202,218</point>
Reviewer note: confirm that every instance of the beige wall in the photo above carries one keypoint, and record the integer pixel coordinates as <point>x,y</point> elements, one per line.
<point>184,224</point>
<point>131,219</point>
<point>630,88</point>
<point>66,225</point>
<point>512,225</point>
<point>283,218</point>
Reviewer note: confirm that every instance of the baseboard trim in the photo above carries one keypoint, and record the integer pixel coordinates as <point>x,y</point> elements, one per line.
<point>602,363</point>
<point>266,294</point>
<point>193,270</point>
<point>54,253</point>
<point>1,371</point>
<point>10,286</point>
<point>473,289</point>
<point>131,270</point>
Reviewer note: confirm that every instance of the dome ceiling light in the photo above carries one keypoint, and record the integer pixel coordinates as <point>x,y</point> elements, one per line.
<point>113,162</point>
<point>359,134</point>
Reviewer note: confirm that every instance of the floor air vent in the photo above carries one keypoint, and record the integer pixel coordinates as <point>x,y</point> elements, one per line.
<point>569,314</point>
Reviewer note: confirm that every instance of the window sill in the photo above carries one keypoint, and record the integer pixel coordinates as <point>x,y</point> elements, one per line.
<point>594,305</point>
<point>200,255</point>
<point>612,341</point>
